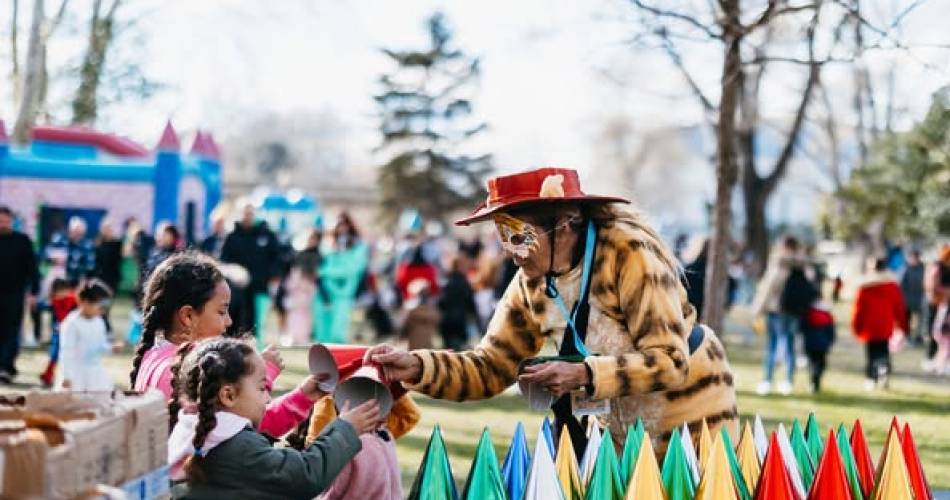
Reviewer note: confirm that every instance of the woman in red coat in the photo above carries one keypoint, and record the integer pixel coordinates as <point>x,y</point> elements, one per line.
<point>878,310</point>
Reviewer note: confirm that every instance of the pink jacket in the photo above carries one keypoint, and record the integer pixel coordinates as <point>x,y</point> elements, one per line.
<point>373,473</point>
<point>280,417</point>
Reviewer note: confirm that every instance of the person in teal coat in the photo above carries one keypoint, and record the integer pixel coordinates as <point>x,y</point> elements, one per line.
<point>341,272</point>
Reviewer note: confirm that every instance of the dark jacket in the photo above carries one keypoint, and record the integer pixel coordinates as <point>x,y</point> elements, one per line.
<point>457,302</point>
<point>109,262</point>
<point>17,265</point>
<point>912,286</point>
<point>80,257</point>
<point>247,467</point>
<point>256,250</point>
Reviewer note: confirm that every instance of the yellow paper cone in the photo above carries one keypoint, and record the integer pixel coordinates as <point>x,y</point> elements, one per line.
<point>748,458</point>
<point>894,483</point>
<point>645,482</point>
<point>566,466</point>
<point>705,446</point>
<point>717,482</point>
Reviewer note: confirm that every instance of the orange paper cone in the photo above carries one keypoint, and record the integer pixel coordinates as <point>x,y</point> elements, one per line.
<point>717,482</point>
<point>893,483</point>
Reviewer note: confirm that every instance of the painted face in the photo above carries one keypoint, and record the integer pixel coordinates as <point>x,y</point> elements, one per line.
<point>518,238</point>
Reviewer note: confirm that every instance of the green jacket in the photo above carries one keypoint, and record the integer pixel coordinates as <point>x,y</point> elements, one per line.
<point>247,467</point>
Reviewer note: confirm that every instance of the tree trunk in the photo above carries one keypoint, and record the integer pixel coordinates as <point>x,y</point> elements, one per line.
<point>717,271</point>
<point>755,198</point>
<point>32,80</point>
<point>15,53</point>
<point>85,104</point>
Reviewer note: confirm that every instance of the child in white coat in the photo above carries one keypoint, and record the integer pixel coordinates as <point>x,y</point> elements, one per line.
<point>83,342</point>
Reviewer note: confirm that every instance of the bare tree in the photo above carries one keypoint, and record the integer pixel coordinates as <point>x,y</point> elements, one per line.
<point>101,32</point>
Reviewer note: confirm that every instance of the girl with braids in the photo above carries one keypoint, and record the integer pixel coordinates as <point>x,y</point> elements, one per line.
<point>222,456</point>
<point>186,299</point>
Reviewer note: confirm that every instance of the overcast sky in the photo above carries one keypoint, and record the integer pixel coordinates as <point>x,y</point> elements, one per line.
<point>542,91</point>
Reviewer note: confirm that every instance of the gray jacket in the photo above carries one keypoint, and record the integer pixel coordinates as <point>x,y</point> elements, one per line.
<point>248,467</point>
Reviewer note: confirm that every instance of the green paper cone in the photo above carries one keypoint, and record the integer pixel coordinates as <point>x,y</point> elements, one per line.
<point>434,479</point>
<point>814,439</point>
<point>484,480</point>
<point>677,478</point>
<point>638,427</point>
<point>628,460</point>
<point>605,480</point>
<point>802,455</point>
<point>741,489</point>
<point>850,466</point>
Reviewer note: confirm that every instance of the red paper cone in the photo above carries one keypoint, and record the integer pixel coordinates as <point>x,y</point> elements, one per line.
<point>774,483</point>
<point>914,468</point>
<point>830,478</point>
<point>862,459</point>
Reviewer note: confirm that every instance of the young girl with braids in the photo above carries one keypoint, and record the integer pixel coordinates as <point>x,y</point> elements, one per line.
<point>224,457</point>
<point>186,299</point>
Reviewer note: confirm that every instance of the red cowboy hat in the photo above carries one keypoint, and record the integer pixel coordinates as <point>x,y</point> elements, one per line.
<point>542,185</point>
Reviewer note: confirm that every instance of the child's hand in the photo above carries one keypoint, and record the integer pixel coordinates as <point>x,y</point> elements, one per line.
<point>118,347</point>
<point>364,418</point>
<point>272,355</point>
<point>310,386</point>
<point>67,384</point>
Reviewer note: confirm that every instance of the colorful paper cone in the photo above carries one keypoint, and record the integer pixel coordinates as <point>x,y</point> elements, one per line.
<point>893,430</point>
<point>743,491</point>
<point>850,467</point>
<point>590,455</point>
<point>628,459</point>
<point>717,482</point>
<point>915,470</point>
<point>484,480</point>
<point>893,482</point>
<point>690,450</point>
<point>542,483</point>
<point>775,482</point>
<point>605,480</point>
<point>761,439</point>
<point>677,475</point>
<point>790,462</point>
<point>831,481</point>
<point>748,458</point>
<point>514,469</point>
<point>638,427</point>
<point>645,482</point>
<point>802,455</point>
<point>548,436</point>
<point>862,459</point>
<point>566,466</point>
<point>434,479</point>
<point>704,446</point>
<point>813,438</point>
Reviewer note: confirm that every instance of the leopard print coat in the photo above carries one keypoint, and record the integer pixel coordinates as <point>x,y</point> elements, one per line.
<point>637,333</point>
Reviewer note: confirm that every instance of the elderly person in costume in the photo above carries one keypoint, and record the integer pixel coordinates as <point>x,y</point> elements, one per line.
<point>598,283</point>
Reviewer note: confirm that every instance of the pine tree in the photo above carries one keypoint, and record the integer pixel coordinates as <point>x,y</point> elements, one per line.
<point>426,122</point>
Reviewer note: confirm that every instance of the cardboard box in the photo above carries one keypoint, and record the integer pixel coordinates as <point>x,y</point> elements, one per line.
<point>146,429</point>
<point>101,451</point>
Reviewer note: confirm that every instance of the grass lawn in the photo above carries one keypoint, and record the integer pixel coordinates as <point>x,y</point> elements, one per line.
<point>922,400</point>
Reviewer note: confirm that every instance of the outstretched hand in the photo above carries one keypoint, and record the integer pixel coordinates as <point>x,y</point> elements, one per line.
<point>398,364</point>
<point>558,377</point>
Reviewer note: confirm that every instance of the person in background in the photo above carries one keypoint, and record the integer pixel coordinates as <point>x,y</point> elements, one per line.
<point>18,288</point>
<point>878,311</point>
<point>696,253</point>
<point>167,243</point>
<point>214,242</point>
<point>457,305</point>
<point>937,286</point>
<point>912,289</point>
<point>63,301</point>
<point>79,251</point>
<point>300,291</point>
<point>420,321</point>
<point>342,272</point>
<point>83,341</point>
<point>818,330</point>
<point>108,262</point>
<point>253,246</point>
<point>782,298</point>
<point>416,267</point>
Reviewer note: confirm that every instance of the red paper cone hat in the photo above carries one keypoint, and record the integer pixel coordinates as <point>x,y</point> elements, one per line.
<point>914,468</point>
<point>830,479</point>
<point>862,459</point>
<point>775,483</point>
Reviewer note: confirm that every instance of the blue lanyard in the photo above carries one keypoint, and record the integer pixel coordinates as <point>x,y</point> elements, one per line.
<point>585,281</point>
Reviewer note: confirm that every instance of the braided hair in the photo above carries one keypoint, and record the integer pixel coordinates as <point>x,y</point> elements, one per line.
<point>174,401</point>
<point>217,362</point>
<point>185,279</point>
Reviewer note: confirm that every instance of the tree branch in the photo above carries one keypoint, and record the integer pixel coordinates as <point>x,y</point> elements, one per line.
<point>678,16</point>
<point>773,11</point>
<point>677,60</point>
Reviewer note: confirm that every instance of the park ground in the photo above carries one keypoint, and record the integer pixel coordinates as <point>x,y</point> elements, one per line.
<point>921,399</point>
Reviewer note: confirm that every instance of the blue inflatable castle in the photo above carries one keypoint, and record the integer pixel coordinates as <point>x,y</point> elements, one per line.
<point>71,171</point>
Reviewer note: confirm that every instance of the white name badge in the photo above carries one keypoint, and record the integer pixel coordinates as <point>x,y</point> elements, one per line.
<point>584,404</point>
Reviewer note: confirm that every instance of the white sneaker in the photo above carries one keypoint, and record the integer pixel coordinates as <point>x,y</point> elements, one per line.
<point>784,388</point>
<point>763,388</point>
